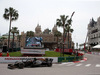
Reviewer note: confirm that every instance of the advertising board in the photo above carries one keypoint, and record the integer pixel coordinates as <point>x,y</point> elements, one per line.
<point>33,51</point>
<point>33,42</point>
<point>33,45</point>
<point>20,59</point>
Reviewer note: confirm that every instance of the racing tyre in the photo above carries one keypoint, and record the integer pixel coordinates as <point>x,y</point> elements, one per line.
<point>49,64</point>
<point>11,66</point>
<point>21,65</point>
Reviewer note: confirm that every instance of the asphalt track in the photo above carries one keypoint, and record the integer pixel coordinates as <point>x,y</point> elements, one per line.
<point>89,67</point>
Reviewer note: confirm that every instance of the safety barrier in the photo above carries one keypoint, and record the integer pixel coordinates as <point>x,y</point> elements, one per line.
<point>69,59</point>
<point>55,59</point>
<point>14,59</point>
<point>9,59</point>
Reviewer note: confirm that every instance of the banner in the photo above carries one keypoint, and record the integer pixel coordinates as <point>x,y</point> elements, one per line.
<point>33,51</point>
<point>20,59</point>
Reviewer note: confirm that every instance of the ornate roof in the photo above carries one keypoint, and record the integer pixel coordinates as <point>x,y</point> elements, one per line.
<point>54,28</point>
<point>92,23</point>
<point>38,29</point>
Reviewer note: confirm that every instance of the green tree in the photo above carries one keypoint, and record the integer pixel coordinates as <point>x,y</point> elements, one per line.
<point>57,34</point>
<point>46,31</point>
<point>12,15</point>
<point>29,33</point>
<point>68,30</point>
<point>68,27</point>
<point>2,39</point>
<point>64,22</point>
<point>13,31</point>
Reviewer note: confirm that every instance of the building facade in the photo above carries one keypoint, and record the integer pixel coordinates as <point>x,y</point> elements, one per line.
<point>49,40</point>
<point>94,32</point>
<point>5,41</point>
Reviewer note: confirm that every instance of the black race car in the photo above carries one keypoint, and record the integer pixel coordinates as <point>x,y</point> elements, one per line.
<point>36,62</point>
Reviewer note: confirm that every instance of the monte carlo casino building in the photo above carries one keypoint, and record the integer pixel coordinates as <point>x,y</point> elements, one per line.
<point>49,40</point>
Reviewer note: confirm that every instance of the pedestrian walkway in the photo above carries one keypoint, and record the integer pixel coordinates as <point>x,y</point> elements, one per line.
<point>77,65</point>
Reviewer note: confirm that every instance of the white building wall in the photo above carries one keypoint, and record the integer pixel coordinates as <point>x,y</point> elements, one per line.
<point>94,37</point>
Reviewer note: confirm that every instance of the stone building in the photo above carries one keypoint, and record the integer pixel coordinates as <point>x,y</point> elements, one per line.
<point>94,32</point>
<point>5,41</point>
<point>49,40</point>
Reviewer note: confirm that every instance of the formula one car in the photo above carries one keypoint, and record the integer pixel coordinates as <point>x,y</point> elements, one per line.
<point>36,62</point>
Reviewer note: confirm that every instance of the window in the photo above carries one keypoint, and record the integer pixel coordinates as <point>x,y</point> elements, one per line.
<point>96,35</point>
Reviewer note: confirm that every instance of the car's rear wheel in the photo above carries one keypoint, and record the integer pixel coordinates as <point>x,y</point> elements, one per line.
<point>49,64</point>
<point>21,65</point>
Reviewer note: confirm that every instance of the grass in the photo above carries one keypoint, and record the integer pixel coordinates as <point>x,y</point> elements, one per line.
<point>14,54</point>
<point>47,54</point>
<point>55,54</point>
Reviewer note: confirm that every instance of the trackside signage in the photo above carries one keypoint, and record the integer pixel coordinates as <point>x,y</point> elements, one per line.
<point>33,51</point>
<point>20,59</point>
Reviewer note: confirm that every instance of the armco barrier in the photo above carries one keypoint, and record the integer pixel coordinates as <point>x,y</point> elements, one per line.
<point>69,59</point>
<point>14,59</point>
<point>55,59</point>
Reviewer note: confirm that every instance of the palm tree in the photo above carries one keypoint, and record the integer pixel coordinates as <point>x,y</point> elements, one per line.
<point>13,31</point>
<point>68,30</point>
<point>64,22</point>
<point>69,26</point>
<point>57,34</point>
<point>12,15</point>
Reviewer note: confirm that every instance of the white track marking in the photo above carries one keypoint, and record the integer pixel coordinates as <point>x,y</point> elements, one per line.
<point>98,65</point>
<point>87,65</point>
<point>63,64</point>
<point>70,64</point>
<point>78,64</point>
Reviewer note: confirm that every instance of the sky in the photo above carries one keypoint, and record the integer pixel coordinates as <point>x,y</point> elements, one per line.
<point>45,13</point>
